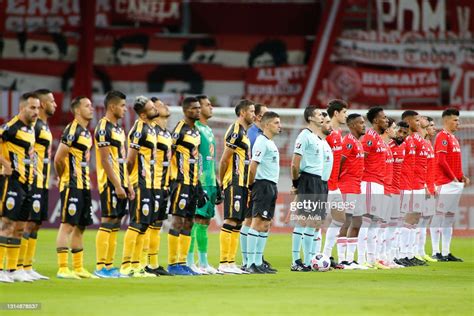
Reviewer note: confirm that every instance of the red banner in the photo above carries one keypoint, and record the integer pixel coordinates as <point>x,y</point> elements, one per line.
<point>275,86</point>
<point>156,12</point>
<point>373,87</point>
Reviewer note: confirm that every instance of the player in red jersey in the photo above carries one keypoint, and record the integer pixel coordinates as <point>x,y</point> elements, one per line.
<point>337,111</point>
<point>428,126</point>
<point>350,176</point>
<point>449,179</point>
<point>397,147</point>
<point>381,254</point>
<point>408,183</point>
<point>372,184</point>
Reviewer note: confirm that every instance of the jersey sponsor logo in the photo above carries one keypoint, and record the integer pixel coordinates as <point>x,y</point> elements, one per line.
<point>258,153</point>
<point>137,135</point>
<point>349,146</point>
<point>298,145</point>
<point>234,135</point>
<point>337,148</point>
<point>102,132</point>
<point>70,137</point>
<point>369,143</point>
<point>175,135</point>
<point>445,143</point>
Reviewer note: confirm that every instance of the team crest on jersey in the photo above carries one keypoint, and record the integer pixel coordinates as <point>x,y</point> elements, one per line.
<point>102,132</point>
<point>237,206</point>
<point>349,146</point>
<point>369,143</point>
<point>72,209</point>
<point>10,203</point>
<point>36,206</point>
<point>445,142</point>
<point>182,204</point>
<point>145,209</point>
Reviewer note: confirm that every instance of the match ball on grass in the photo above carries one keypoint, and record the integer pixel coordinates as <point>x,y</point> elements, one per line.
<point>320,263</point>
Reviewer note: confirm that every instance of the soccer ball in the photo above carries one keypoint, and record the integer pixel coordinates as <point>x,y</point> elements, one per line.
<point>321,263</point>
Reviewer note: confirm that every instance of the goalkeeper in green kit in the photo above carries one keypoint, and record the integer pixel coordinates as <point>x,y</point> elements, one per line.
<point>209,184</point>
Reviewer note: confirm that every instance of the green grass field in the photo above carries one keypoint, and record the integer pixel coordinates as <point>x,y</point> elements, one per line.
<point>441,288</point>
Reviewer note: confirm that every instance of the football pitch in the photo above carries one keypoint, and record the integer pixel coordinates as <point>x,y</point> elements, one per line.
<point>442,288</point>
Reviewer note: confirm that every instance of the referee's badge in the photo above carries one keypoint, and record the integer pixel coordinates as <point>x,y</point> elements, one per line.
<point>72,209</point>
<point>10,203</point>
<point>237,206</point>
<point>36,206</point>
<point>145,209</point>
<point>182,204</point>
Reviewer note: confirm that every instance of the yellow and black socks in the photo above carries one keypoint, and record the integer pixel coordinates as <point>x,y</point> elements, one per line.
<point>146,248</point>
<point>22,252</point>
<point>137,251</point>
<point>3,251</point>
<point>30,251</point>
<point>129,242</point>
<point>109,261</point>
<point>13,252</point>
<point>62,254</point>
<point>234,243</point>
<point>225,238</point>
<point>77,259</point>
<point>184,243</point>
<point>102,244</point>
<point>173,245</point>
<point>154,246</point>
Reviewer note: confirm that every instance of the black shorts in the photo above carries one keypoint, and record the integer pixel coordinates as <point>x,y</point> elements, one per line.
<point>16,200</point>
<point>3,188</point>
<point>142,207</point>
<point>39,204</point>
<point>111,205</point>
<point>76,207</point>
<point>236,202</point>
<point>312,189</point>
<point>183,200</point>
<point>264,196</point>
<point>161,205</point>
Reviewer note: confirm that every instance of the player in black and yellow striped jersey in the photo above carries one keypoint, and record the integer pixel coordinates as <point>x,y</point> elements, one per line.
<point>39,209</point>
<point>184,177</point>
<point>140,164</point>
<point>113,181</point>
<point>151,245</point>
<point>72,167</point>
<point>18,139</point>
<point>233,174</point>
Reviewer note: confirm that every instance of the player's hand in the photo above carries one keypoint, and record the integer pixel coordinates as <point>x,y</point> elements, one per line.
<point>121,194</point>
<point>202,196</point>
<point>466,180</point>
<point>131,193</point>
<point>293,190</point>
<point>219,196</point>
<point>7,170</point>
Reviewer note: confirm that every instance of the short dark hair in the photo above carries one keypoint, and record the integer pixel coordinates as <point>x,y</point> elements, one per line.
<point>324,114</point>
<point>40,92</point>
<point>409,113</point>
<point>243,105</point>
<point>187,102</point>
<point>308,112</point>
<point>25,96</point>
<point>449,112</point>
<point>390,121</point>
<point>258,108</point>
<point>336,105</point>
<point>139,104</point>
<point>269,115</point>
<point>76,102</point>
<point>403,124</point>
<point>429,118</point>
<point>352,117</point>
<point>113,96</point>
<point>201,97</point>
<point>373,112</point>
<point>154,99</point>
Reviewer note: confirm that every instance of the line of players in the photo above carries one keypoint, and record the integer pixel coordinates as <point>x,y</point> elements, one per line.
<point>158,167</point>
<point>386,186</point>
<point>142,178</point>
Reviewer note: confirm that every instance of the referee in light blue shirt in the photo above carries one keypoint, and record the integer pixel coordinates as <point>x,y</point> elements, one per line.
<point>264,174</point>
